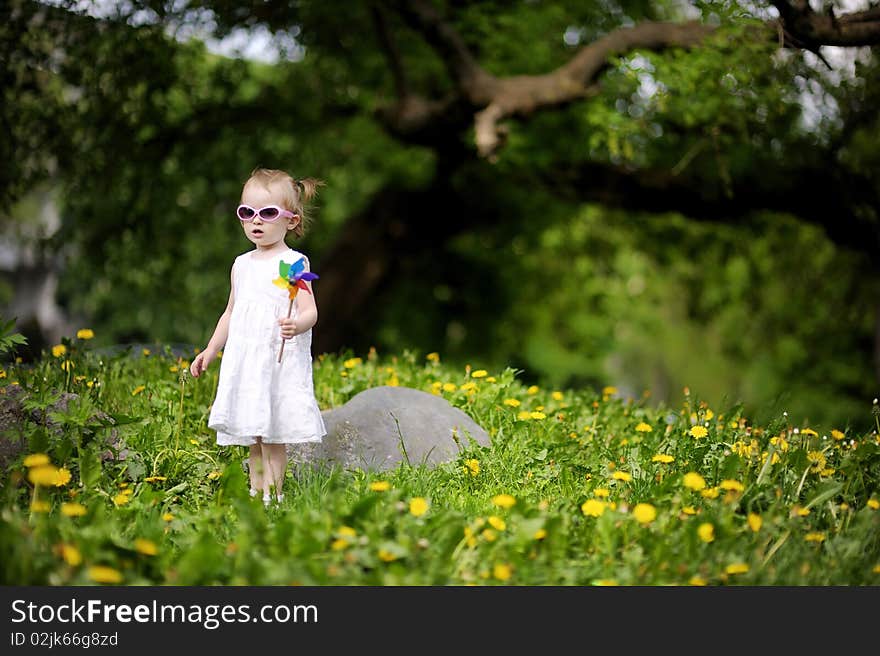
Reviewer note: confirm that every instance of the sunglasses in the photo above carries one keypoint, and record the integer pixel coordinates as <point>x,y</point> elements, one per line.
<point>269,213</point>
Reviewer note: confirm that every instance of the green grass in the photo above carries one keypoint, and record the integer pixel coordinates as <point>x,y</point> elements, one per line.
<point>592,504</point>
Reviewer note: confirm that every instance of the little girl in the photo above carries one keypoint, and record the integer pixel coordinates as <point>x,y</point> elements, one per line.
<point>262,402</point>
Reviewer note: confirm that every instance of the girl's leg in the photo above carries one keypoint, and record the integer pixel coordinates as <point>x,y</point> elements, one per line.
<point>276,468</point>
<point>255,467</point>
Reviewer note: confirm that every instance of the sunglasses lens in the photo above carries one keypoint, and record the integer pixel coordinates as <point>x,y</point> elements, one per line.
<point>245,213</point>
<point>269,213</point>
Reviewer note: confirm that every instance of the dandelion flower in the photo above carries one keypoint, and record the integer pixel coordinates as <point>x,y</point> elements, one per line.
<point>696,580</point>
<point>85,333</point>
<point>644,513</point>
<point>533,389</point>
<point>104,574</point>
<point>502,571</point>
<point>644,428</point>
<point>540,534</point>
<point>710,492</point>
<point>155,479</point>
<point>137,390</point>
<point>122,498</point>
<point>513,403</point>
<point>593,507</point>
<point>146,547</point>
<point>489,535</point>
<point>698,431</point>
<point>73,509</point>
<point>601,492</point>
<point>380,486</point>
<point>351,363</point>
<point>167,517</point>
<point>729,484</point>
<point>497,523</point>
<point>689,510</point>
<point>36,460</point>
<point>479,373</point>
<point>837,435</point>
<point>814,536</point>
<point>609,390</point>
<point>663,457</point>
<point>433,357</point>
<point>694,481</point>
<point>418,506</point>
<point>339,544</point>
<point>449,387</point>
<point>71,555</point>
<point>873,504</point>
<point>524,415</point>
<point>809,431</point>
<point>40,506</point>
<point>214,475</point>
<point>346,531</point>
<point>621,476</point>
<point>706,532</point>
<point>755,522</point>
<point>505,501</point>
<point>386,556</point>
<point>737,568</point>
<point>537,415</point>
<point>472,466</point>
<point>58,350</point>
<point>45,475</point>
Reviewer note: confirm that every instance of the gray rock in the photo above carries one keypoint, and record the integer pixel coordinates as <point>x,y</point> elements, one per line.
<point>384,426</point>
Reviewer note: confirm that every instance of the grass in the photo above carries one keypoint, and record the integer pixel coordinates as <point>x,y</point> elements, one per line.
<point>579,487</point>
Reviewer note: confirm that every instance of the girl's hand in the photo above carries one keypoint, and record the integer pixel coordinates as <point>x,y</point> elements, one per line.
<point>288,327</point>
<point>201,362</point>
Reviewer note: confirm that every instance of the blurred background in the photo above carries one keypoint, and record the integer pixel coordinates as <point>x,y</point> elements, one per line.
<point>702,211</point>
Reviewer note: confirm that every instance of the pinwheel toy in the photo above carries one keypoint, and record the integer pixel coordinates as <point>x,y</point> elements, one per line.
<point>292,277</point>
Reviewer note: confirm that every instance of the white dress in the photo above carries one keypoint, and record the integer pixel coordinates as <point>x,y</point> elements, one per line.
<point>256,394</point>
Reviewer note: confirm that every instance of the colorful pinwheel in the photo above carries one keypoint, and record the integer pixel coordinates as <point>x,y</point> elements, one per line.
<point>292,277</point>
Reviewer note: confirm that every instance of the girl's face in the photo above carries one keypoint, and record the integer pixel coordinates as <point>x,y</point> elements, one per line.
<point>263,233</point>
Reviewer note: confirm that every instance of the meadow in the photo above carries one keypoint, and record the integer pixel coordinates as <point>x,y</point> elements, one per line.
<point>125,485</point>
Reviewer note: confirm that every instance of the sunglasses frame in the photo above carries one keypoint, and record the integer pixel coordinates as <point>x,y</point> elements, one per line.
<point>258,212</point>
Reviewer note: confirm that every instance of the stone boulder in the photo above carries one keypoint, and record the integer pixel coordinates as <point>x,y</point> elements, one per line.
<point>384,426</point>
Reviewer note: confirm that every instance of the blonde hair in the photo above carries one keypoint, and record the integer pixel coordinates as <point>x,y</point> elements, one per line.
<point>294,193</point>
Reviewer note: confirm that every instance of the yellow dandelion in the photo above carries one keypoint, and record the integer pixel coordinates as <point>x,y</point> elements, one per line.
<point>58,350</point>
<point>137,390</point>
<point>837,435</point>
<point>802,512</point>
<point>689,510</point>
<point>351,363</point>
<point>873,504</point>
<point>540,534</point>
<point>167,517</point>
<point>502,571</point>
<point>698,581</point>
<point>605,583</point>
<point>472,466</point>
<point>418,506</point>
<point>347,532</point>
<point>694,481</point>
<point>513,403</point>
<point>146,547</point>
<point>155,479</point>
<point>533,389</point>
<point>621,476</point>
<point>729,484</point>
<point>505,501</point>
<point>663,457</point>
<point>755,522</point>
<point>497,523</point>
<point>644,513</point>
<point>644,428</point>
<point>45,475</point>
<point>380,486</point>
<point>609,390</point>
<point>524,415</point>
<point>433,357</point>
<point>469,386</point>
<point>71,555</point>
<point>601,492</point>
<point>339,544</point>
<point>36,460</point>
<point>479,373</point>
<point>711,492</point>
<point>706,532</point>
<point>146,352</point>
<point>85,333</point>
<point>104,574</point>
<point>489,535</point>
<point>40,506</point>
<point>737,568</point>
<point>557,395</point>
<point>814,536</point>
<point>73,509</point>
<point>809,431</point>
<point>593,507</point>
<point>385,555</point>
<point>538,415</point>
<point>122,498</point>
<point>449,387</point>
<point>698,431</point>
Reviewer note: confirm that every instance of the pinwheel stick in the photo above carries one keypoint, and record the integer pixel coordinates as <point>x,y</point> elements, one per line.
<point>280,352</point>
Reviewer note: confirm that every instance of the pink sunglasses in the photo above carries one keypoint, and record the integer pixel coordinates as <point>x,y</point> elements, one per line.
<point>269,213</point>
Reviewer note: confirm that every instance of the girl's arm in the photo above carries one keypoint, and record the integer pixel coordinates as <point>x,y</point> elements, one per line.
<point>306,307</point>
<point>218,339</point>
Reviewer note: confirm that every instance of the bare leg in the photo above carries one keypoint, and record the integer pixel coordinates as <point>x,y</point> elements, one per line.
<point>277,467</point>
<point>255,467</point>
